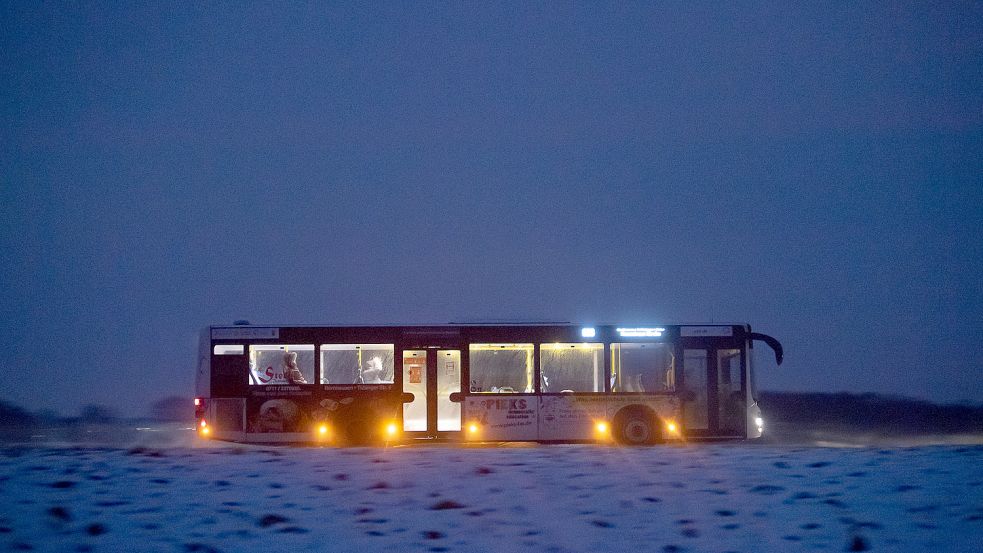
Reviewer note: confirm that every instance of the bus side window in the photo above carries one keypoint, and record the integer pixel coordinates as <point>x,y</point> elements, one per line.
<point>572,367</point>
<point>501,368</point>
<point>227,349</point>
<point>642,367</point>
<point>272,363</point>
<point>357,363</point>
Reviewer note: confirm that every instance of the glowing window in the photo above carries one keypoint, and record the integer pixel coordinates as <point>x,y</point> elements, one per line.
<point>281,364</point>
<point>225,349</point>
<point>642,367</point>
<point>572,367</point>
<point>501,368</point>
<point>357,364</point>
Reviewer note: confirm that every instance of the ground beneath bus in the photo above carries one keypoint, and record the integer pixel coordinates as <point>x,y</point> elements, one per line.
<point>722,497</point>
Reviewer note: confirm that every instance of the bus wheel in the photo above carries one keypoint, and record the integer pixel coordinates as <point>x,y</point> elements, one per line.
<point>637,426</point>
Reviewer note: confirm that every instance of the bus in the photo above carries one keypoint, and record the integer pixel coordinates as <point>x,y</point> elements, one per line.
<point>539,382</point>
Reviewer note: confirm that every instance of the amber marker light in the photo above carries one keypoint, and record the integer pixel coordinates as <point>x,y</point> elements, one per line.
<point>672,428</point>
<point>472,428</point>
<point>602,430</point>
<point>391,429</point>
<point>203,428</point>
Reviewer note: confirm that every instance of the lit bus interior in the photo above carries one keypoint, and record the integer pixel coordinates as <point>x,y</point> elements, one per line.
<point>357,364</point>
<point>568,368</point>
<point>501,368</point>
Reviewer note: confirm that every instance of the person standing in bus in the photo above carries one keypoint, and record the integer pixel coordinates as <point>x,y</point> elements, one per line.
<point>291,370</point>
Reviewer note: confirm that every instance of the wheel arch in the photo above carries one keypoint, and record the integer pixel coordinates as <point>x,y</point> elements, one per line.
<point>627,429</point>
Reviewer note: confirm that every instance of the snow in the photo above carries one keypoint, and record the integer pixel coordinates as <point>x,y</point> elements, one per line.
<point>556,498</point>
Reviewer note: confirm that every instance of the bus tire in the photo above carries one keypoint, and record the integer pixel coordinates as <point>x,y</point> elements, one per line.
<point>637,426</point>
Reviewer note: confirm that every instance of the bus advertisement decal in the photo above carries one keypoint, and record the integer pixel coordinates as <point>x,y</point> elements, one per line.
<point>265,415</point>
<point>569,417</point>
<point>504,418</point>
<point>279,391</point>
<point>277,415</point>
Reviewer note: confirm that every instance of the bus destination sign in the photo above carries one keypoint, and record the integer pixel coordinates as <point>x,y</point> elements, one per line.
<point>706,331</point>
<point>245,333</point>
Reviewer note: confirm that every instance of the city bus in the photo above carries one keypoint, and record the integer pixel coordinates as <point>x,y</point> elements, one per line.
<point>539,382</point>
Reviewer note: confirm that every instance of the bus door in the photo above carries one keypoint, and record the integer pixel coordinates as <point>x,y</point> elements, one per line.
<point>695,392</point>
<point>714,395</point>
<point>731,392</point>
<point>431,375</point>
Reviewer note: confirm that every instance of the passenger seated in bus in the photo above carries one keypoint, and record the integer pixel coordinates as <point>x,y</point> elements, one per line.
<point>630,383</point>
<point>372,374</point>
<point>291,370</point>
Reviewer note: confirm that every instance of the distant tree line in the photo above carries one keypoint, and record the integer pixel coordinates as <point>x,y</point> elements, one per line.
<point>868,411</point>
<point>168,409</point>
<point>14,416</point>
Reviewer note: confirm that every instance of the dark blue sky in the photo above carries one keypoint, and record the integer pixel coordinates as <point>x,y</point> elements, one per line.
<point>815,172</point>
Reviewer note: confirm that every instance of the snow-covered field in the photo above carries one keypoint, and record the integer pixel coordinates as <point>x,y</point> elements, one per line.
<point>723,497</point>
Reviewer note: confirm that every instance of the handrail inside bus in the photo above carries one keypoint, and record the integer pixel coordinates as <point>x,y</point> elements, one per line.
<point>774,344</point>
